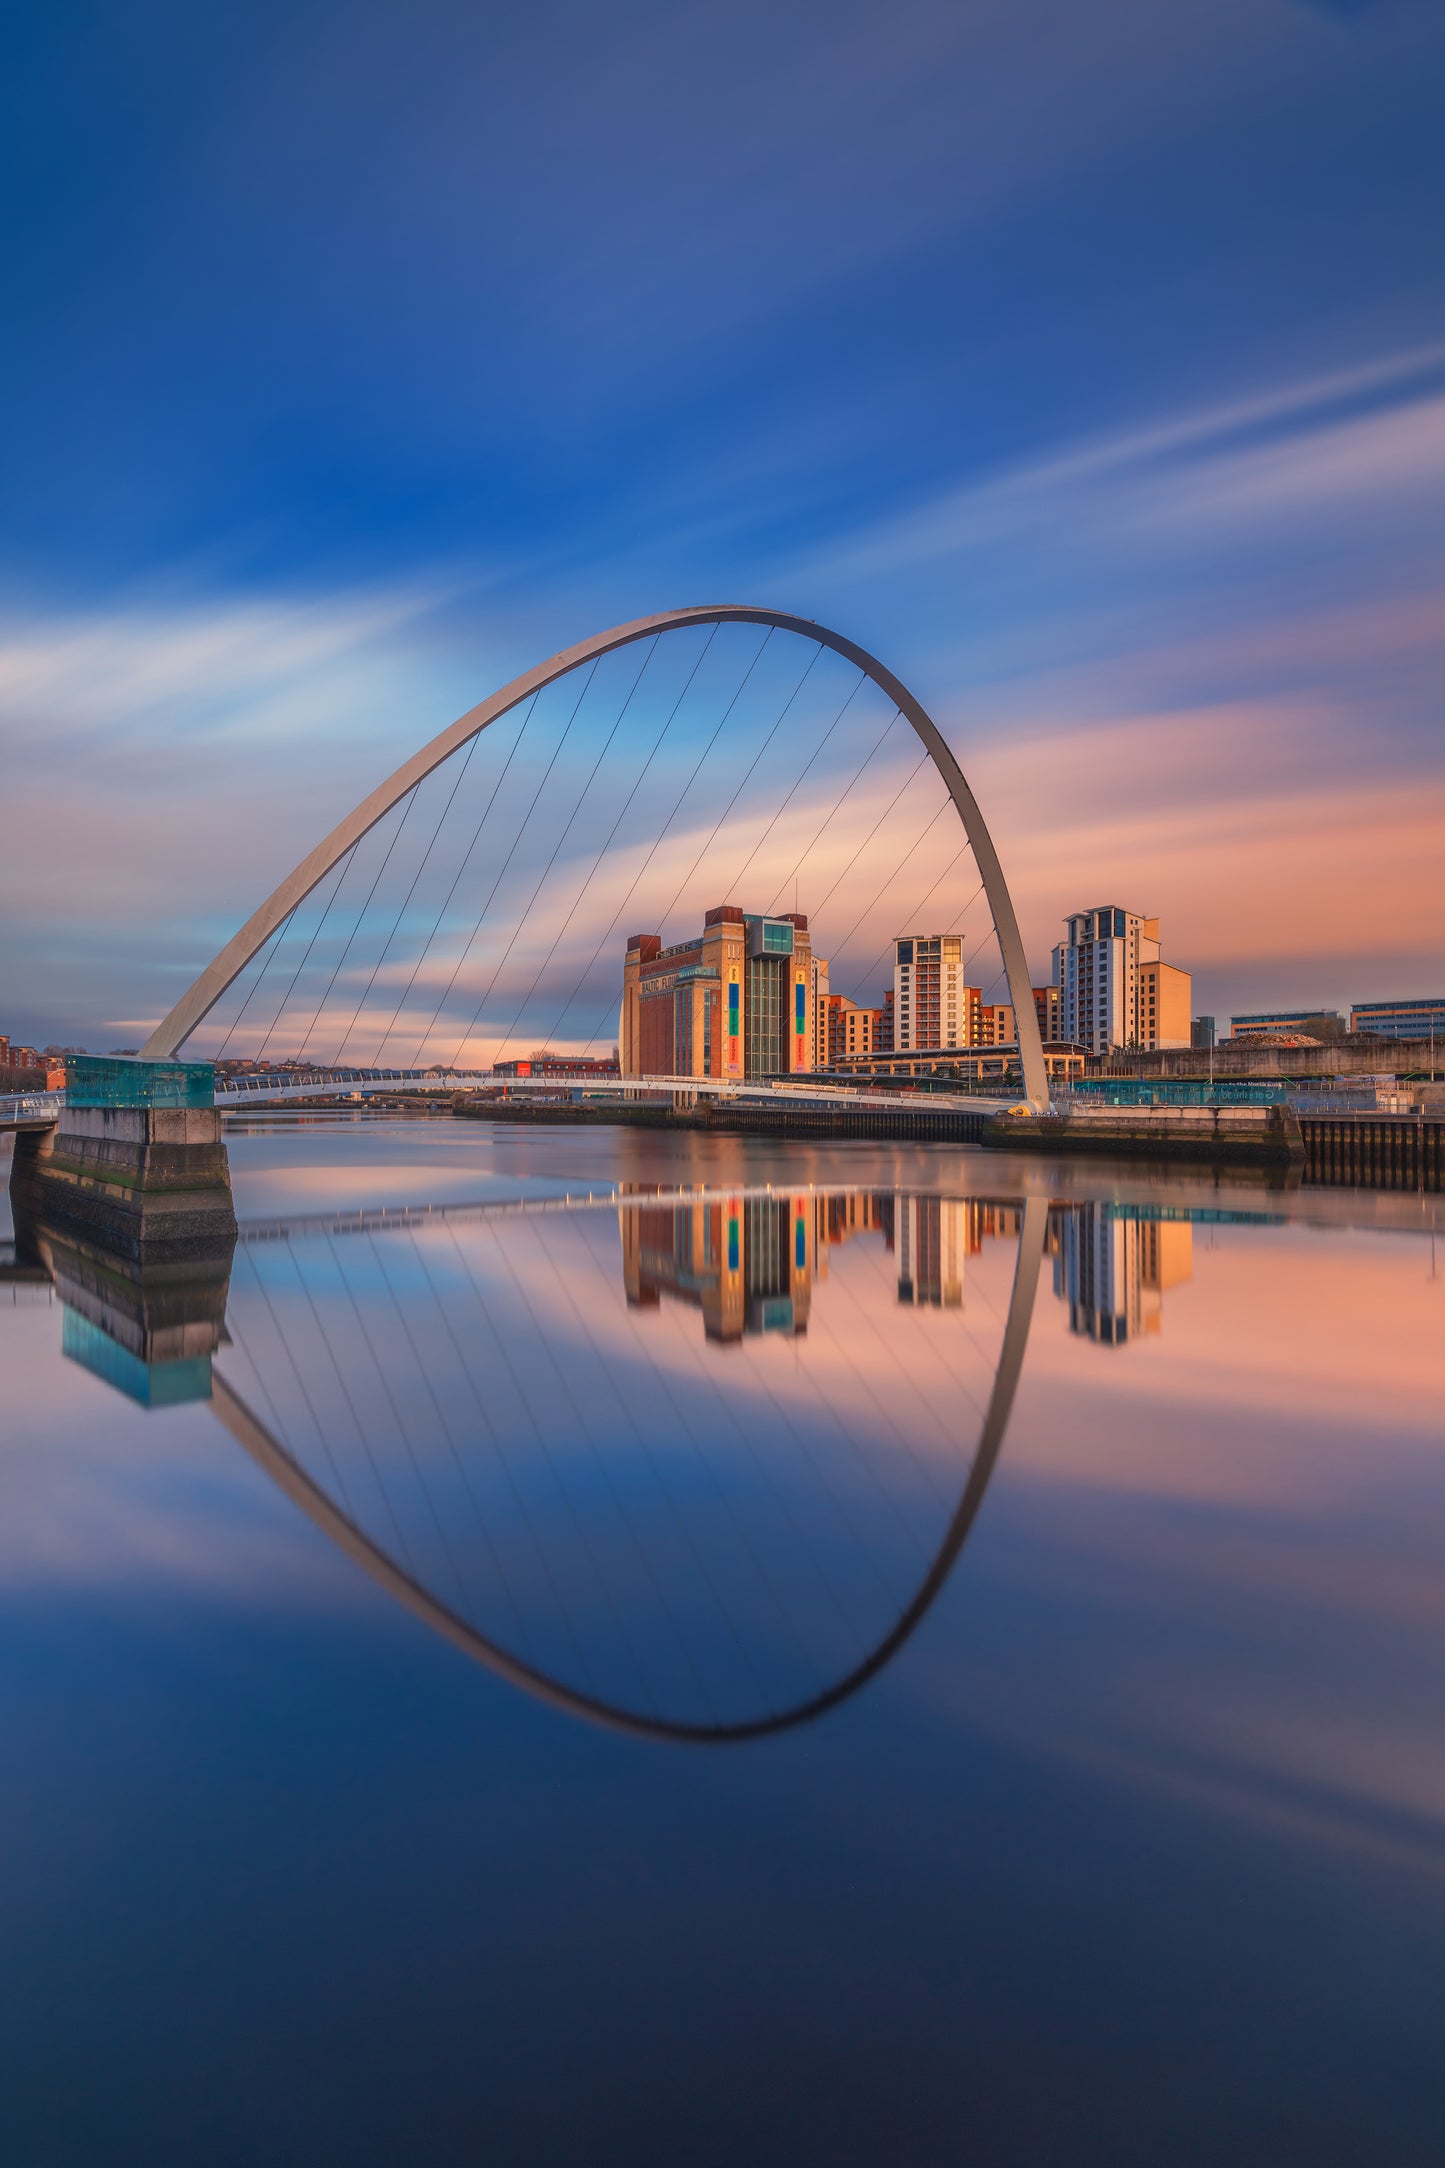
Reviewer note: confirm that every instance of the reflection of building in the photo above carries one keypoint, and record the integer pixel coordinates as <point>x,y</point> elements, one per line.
<point>750,1263</point>
<point>931,1249</point>
<point>1113,1265</point>
<point>738,1001</point>
<point>933,1237</point>
<point>745,1262</point>
<point>1113,989</point>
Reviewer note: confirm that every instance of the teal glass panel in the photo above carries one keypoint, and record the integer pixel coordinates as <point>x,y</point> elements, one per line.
<point>110,1080</point>
<point>1122,1091</point>
<point>732,1245</point>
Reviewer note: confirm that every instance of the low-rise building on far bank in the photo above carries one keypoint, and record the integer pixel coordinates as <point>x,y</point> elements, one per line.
<point>1421,1018</point>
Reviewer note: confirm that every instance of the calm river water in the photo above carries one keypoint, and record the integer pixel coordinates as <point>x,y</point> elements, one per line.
<point>590,1647</point>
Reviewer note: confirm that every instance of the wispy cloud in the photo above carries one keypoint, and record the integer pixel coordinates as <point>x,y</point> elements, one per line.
<point>1375,431</point>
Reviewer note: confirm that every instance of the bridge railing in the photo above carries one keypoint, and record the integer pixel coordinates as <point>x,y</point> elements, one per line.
<point>17,1109</point>
<point>255,1090</point>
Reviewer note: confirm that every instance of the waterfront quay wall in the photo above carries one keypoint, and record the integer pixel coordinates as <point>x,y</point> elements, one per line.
<point>1228,1136</point>
<point>147,1183</point>
<point>746,1118</point>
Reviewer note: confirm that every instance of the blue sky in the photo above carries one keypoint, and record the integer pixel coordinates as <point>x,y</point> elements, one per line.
<point>1087,364</point>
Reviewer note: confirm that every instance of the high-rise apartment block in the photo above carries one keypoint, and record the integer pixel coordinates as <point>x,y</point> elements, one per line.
<point>1114,990</point>
<point>736,1001</point>
<point>931,1005</point>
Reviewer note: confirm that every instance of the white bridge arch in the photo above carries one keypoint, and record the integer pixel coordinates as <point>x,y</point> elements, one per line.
<point>199,999</point>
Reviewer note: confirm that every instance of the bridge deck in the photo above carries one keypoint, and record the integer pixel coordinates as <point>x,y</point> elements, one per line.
<point>41,1110</point>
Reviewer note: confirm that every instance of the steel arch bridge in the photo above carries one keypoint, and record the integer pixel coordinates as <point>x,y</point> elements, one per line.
<point>201,997</point>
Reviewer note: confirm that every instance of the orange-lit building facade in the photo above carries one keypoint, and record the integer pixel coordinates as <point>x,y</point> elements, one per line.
<point>738,1001</point>
<point>846,1029</point>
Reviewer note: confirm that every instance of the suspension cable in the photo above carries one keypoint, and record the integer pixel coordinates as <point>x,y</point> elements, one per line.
<point>717,824</point>
<point>923,756</point>
<point>602,853</point>
<point>747,772</point>
<point>542,876</point>
<point>461,869</point>
<point>273,948</point>
<point>672,816</point>
<point>391,846</point>
<point>737,881</point>
<point>856,777</point>
<point>406,899</point>
<point>511,852</point>
<point>841,947</point>
<point>335,892</point>
<point>961,852</point>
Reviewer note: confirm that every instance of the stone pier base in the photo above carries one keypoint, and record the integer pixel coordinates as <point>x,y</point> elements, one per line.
<point>148,1183</point>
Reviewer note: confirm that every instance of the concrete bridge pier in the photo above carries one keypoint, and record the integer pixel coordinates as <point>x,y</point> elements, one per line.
<point>135,1165</point>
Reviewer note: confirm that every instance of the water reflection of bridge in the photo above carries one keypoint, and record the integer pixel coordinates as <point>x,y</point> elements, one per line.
<point>574,1491</point>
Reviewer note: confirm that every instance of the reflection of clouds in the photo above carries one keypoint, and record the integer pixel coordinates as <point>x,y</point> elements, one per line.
<point>1284,1328</point>
<point>1238,1526</point>
<point>1283,451</point>
<point>1281,1671</point>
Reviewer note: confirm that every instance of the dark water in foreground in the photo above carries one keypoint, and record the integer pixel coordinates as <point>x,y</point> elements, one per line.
<point>867,1656</point>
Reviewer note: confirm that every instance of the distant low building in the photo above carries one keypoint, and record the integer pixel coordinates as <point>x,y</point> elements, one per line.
<point>1201,1033</point>
<point>557,1065</point>
<point>1317,1024</point>
<point>1419,1019</point>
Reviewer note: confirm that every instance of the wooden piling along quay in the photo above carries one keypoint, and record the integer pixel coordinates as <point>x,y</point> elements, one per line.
<point>1377,1151</point>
